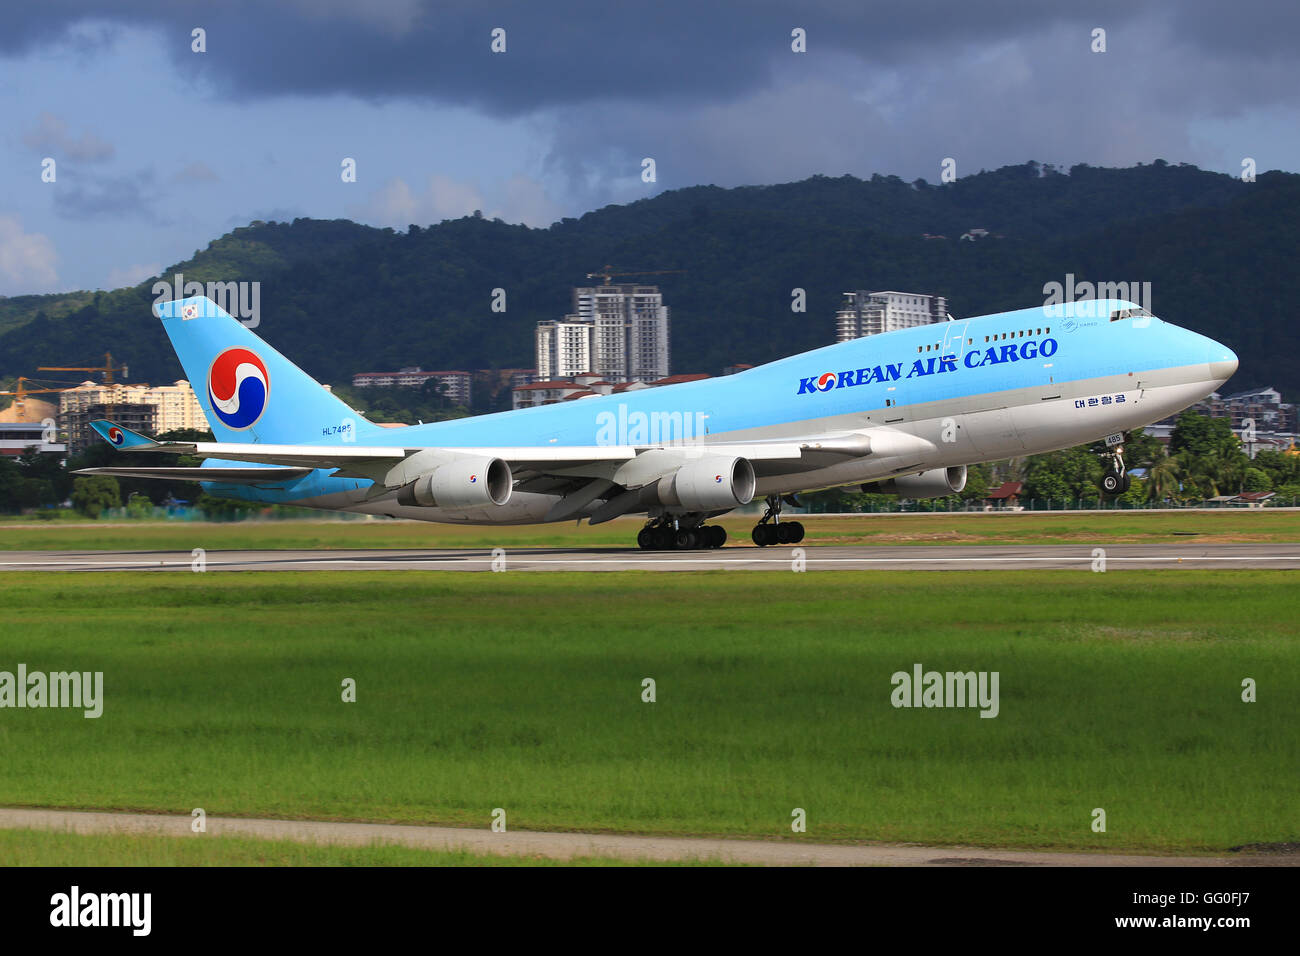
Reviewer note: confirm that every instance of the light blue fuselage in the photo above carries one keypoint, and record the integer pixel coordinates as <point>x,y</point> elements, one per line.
<point>1011,380</point>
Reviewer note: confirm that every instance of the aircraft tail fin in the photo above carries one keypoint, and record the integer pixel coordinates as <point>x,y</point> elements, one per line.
<point>249,392</point>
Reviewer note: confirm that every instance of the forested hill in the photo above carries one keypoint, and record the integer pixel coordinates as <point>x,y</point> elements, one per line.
<point>339,298</point>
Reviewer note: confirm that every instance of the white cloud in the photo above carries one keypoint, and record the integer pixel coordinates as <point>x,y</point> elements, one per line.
<point>51,136</point>
<point>26,260</point>
<point>396,204</point>
<point>199,172</point>
<point>132,275</point>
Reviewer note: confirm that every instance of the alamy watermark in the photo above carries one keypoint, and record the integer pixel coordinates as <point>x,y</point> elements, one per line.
<point>626,427</point>
<point>243,300</point>
<point>76,908</point>
<point>1071,299</point>
<point>37,689</point>
<point>922,688</point>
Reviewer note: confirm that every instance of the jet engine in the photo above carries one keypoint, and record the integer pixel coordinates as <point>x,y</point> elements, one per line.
<point>461,483</point>
<point>935,483</point>
<point>708,484</point>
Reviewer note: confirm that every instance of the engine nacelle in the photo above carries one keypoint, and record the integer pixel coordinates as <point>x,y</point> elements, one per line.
<point>708,484</point>
<point>461,483</point>
<point>935,483</point>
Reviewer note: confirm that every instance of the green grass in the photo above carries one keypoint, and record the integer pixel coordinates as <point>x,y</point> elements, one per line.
<point>1118,690</point>
<point>974,529</point>
<point>52,848</point>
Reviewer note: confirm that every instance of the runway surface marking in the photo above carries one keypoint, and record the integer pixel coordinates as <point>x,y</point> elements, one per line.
<point>563,846</point>
<point>838,557</point>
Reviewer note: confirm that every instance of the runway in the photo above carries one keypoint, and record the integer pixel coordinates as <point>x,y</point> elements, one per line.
<point>566,845</point>
<point>737,558</point>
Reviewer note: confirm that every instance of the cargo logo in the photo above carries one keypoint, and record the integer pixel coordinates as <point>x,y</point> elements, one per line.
<point>115,435</point>
<point>238,386</point>
<point>935,365</point>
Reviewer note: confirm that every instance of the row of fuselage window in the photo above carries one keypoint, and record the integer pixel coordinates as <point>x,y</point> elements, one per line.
<point>992,338</point>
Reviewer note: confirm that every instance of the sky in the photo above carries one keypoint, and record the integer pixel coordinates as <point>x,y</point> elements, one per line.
<point>158,148</point>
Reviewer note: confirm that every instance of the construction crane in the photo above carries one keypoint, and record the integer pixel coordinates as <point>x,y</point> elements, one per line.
<point>607,273</point>
<point>22,391</point>
<point>108,368</point>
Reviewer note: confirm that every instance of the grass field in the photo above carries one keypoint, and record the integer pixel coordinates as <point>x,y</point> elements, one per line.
<point>1118,690</point>
<point>1113,527</point>
<point>46,848</point>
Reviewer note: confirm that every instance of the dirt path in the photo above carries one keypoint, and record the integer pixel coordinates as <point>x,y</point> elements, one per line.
<point>563,846</point>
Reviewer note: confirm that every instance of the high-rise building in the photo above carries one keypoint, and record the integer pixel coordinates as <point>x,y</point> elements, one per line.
<point>870,313</point>
<point>619,332</point>
<point>563,348</point>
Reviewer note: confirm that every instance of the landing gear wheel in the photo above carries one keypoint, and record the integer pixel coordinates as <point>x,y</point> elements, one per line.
<point>684,541</point>
<point>1115,481</point>
<point>770,530</point>
<point>645,539</point>
<point>661,539</point>
<point>717,536</point>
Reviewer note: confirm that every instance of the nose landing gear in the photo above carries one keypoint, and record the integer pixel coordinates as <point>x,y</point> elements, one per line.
<point>1114,481</point>
<point>770,529</point>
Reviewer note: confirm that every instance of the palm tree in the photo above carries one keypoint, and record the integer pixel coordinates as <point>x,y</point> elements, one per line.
<point>1162,479</point>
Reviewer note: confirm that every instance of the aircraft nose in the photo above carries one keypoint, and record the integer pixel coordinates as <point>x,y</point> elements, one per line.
<point>1223,362</point>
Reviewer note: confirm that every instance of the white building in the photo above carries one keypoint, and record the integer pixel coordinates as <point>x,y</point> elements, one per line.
<point>456,385</point>
<point>563,348</point>
<point>174,407</point>
<point>619,332</point>
<point>544,393</point>
<point>871,313</point>
<point>17,437</point>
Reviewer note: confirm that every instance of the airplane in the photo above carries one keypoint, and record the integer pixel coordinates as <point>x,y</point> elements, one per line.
<point>904,411</point>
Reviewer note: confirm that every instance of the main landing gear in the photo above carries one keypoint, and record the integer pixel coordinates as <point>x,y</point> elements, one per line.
<point>672,534</point>
<point>1114,481</point>
<point>770,529</point>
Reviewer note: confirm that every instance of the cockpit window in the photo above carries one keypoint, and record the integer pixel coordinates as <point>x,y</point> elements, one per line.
<point>1130,314</point>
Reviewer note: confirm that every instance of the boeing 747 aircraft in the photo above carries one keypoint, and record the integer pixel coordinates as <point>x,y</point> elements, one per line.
<point>909,409</point>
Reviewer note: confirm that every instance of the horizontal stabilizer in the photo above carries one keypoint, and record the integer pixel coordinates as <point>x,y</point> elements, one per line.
<point>121,437</point>
<point>238,476</point>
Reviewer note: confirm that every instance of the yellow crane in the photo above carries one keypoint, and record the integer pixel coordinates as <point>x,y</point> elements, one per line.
<point>108,368</point>
<point>607,273</point>
<point>22,391</point>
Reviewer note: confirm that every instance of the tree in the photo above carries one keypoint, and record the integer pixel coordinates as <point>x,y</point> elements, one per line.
<point>1256,479</point>
<point>1202,436</point>
<point>92,495</point>
<point>1162,482</point>
<point>1070,474</point>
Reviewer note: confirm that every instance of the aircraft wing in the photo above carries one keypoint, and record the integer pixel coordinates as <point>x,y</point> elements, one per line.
<point>237,476</point>
<point>623,464</point>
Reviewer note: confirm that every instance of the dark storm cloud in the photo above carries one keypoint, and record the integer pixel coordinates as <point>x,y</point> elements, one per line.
<point>572,53</point>
<point>84,196</point>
